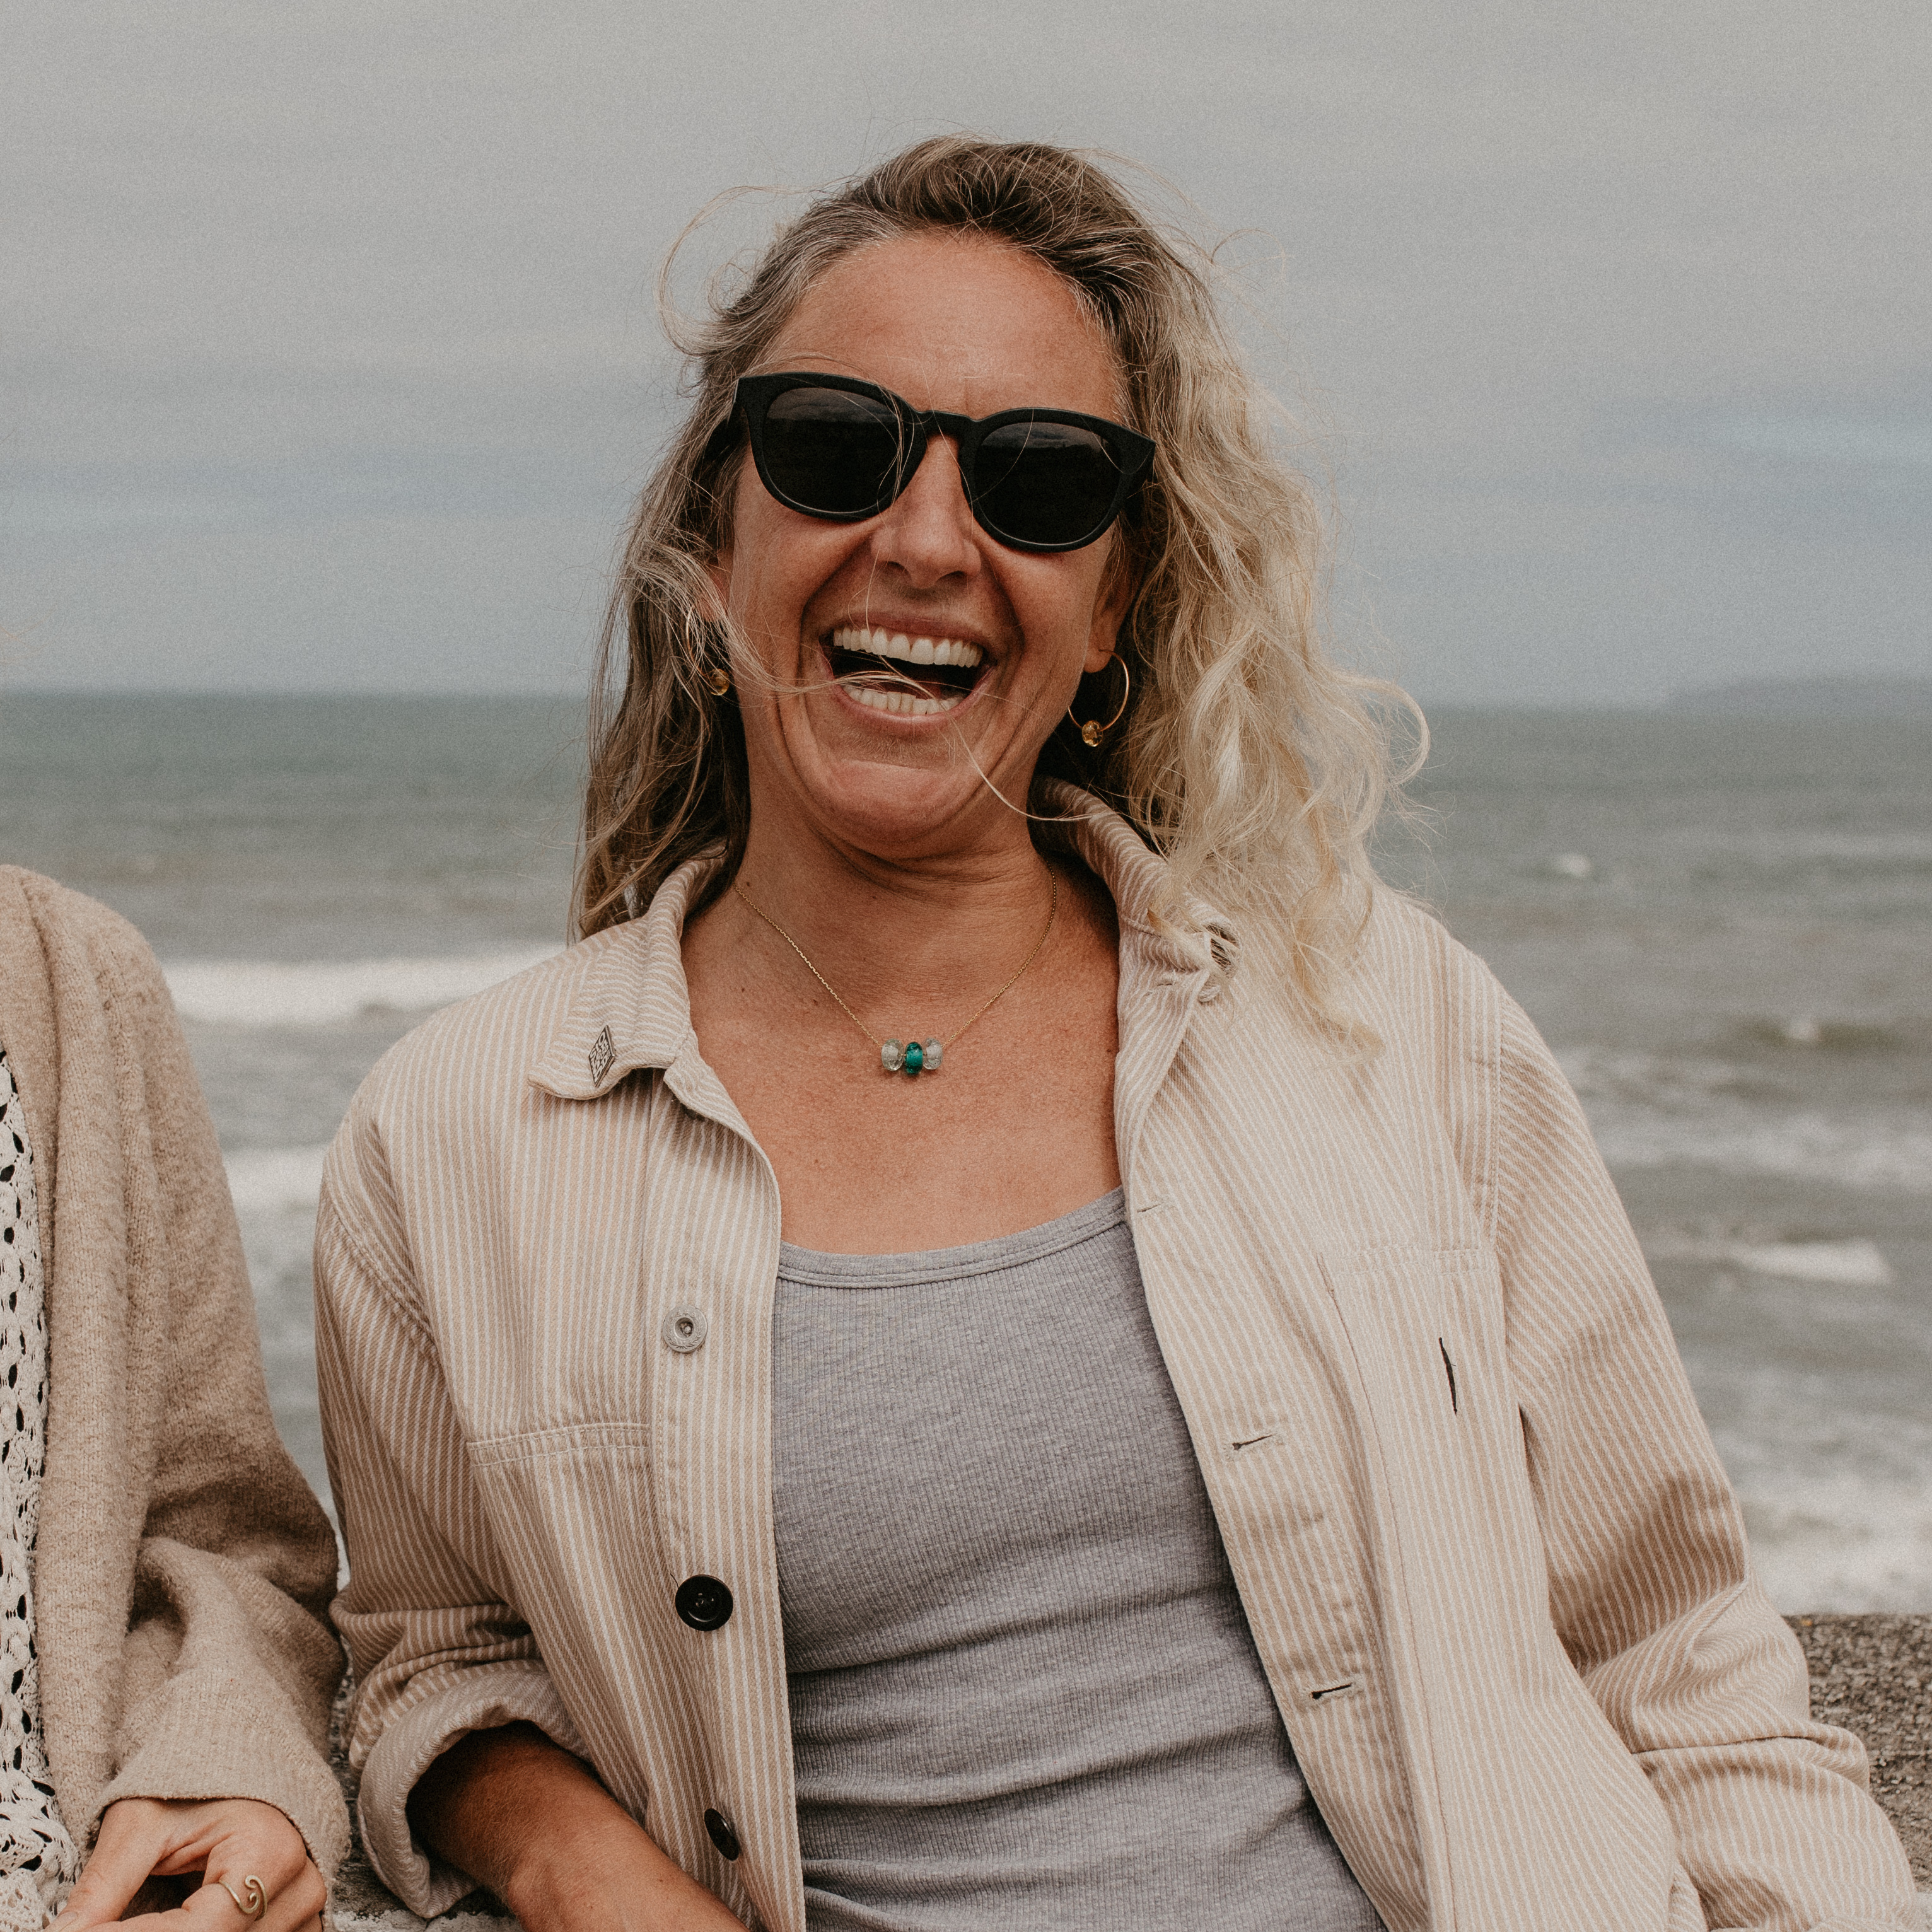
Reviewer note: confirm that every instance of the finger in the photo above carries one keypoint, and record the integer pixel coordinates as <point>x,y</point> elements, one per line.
<point>127,1851</point>
<point>261,1843</point>
<point>287,1909</point>
<point>229,1841</point>
<point>232,1892</point>
<point>260,1840</point>
<point>298,1907</point>
<point>212,1908</point>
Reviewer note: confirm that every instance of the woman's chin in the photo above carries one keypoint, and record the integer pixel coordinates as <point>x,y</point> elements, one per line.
<point>898,806</point>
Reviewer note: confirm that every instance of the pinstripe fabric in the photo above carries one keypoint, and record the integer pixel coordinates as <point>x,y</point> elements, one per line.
<point>1492,1566</point>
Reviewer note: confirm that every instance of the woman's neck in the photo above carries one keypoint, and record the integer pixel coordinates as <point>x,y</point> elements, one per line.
<point>937,929</point>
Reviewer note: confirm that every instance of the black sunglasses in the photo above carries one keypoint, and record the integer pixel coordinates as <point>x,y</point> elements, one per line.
<point>833,447</point>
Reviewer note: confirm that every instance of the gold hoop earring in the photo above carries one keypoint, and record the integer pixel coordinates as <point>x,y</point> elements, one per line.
<point>719,679</point>
<point>1092,731</point>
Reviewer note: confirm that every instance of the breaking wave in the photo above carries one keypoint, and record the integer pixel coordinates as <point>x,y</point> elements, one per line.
<point>276,993</point>
<point>1648,1111</point>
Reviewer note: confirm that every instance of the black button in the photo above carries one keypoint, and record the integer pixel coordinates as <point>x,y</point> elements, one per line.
<point>722,1835</point>
<point>704,1603</point>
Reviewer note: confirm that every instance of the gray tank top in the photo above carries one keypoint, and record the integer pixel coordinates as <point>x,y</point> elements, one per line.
<point>1024,1694</point>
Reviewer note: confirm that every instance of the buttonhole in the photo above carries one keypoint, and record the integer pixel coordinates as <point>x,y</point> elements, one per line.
<point>1455,1407</point>
<point>1332,1690</point>
<point>1248,1442</point>
<point>1159,1204</point>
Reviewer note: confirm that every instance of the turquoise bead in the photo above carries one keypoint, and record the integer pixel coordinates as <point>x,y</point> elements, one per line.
<point>915,1056</point>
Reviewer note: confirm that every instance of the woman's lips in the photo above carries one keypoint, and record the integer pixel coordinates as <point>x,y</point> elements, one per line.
<point>902,672</point>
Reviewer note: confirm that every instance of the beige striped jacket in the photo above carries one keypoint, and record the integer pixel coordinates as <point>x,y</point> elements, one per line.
<point>1492,1566</point>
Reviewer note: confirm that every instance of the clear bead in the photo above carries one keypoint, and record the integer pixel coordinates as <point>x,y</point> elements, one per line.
<point>934,1051</point>
<point>892,1055</point>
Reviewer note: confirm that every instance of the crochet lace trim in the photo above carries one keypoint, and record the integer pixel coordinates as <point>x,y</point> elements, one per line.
<point>38,1862</point>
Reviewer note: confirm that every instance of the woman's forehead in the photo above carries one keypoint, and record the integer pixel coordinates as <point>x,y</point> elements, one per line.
<point>955,323</point>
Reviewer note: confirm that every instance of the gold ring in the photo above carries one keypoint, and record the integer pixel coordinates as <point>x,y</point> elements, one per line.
<point>257,1900</point>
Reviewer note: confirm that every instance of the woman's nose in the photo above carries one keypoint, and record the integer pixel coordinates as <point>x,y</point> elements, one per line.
<point>928,531</point>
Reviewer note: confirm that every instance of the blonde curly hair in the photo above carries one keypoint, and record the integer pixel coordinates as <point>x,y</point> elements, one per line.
<point>1252,763</point>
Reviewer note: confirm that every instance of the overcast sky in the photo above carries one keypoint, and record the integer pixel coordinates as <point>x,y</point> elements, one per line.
<point>328,359</point>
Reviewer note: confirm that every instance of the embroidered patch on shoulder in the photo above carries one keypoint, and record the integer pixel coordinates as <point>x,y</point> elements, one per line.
<point>603,1051</point>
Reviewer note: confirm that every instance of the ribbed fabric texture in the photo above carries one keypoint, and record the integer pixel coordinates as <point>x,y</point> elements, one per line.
<point>1492,1568</point>
<point>1023,1694</point>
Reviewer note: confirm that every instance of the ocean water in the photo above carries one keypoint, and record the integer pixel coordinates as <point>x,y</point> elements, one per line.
<point>1724,927</point>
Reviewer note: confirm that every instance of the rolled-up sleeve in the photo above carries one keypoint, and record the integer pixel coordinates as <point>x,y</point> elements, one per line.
<point>1651,1587</point>
<point>437,1647</point>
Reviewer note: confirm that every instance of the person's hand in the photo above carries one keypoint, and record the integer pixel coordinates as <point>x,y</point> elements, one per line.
<point>229,1840</point>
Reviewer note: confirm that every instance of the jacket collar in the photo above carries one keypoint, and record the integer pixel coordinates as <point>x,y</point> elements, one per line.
<point>1202,941</point>
<point>631,1007</point>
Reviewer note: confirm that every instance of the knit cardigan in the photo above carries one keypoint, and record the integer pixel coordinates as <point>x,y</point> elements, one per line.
<point>183,1568</point>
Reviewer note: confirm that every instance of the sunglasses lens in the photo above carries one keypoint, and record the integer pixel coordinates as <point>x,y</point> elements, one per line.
<point>831,452</point>
<point>1046,483</point>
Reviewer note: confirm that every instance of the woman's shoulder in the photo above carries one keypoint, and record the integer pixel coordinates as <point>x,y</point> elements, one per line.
<point>47,924</point>
<point>458,1086</point>
<point>1407,944</point>
<point>1438,1006</point>
<point>473,1051</point>
<point>66,917</point>
<point>1406,974</point>
<point>1429,1010</point>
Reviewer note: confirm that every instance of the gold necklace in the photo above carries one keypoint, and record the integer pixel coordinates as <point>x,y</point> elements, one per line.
<point>911,1056</point>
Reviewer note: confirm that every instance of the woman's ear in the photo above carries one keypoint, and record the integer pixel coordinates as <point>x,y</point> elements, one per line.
<point>1120,585</point>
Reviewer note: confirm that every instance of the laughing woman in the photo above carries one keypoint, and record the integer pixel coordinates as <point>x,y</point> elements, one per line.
<point>1005,1342</point>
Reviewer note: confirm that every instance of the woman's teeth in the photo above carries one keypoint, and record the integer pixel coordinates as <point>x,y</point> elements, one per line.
<point>908,650</point>
<point>905,701</point>
<point>914,677</point>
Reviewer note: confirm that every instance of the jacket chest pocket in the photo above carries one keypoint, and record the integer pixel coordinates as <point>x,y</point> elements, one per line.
<point>571,1510</point>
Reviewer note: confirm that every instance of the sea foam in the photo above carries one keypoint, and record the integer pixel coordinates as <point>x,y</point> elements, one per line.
<point>1847,1541</point>
<point>275,993</point>
<point>1874,1153</point>
<point>1857,1262</point>
<point>1650,1111</point>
